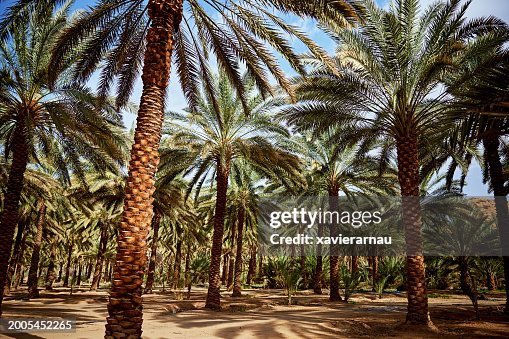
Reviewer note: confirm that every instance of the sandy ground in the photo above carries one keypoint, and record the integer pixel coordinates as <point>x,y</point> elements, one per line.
<point>263,314</point>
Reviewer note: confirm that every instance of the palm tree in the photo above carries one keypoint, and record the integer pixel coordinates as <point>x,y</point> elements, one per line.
<point>243,209</point>
<point>39,118</point>
<point>217,136</point>
<point>389,86</point>
<point>335,170</point>
<point>155,33</point>
<point>485,97</point>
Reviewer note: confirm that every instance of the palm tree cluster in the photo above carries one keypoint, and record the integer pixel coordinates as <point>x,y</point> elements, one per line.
<point>410,95</point>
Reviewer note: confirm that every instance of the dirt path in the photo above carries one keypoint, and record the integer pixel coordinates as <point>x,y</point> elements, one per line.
<point>262,314</point>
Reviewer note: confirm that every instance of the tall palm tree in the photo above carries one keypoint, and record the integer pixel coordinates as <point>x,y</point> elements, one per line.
<point>217,136</point>
<point>389,85</point>
<point>56,120</point>
<point>155,33</point>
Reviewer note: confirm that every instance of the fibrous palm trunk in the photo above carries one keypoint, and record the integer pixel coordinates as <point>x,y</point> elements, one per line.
<point>355,264</point>
<point>19,262</point>
<point>88,270</point>
<point>468,284</point>
<point>176,267</point>
<point>231,267</point>
<point>491,145</point>
<point>260,267</point>
<point>334,258</point>
<point>125,301</point>
<point>317,283</point>
<point>68,265</point>
<point>408,177</point>
<point>103,244</point>
<point>18,249</point>
<point>187,265</point>
<point>303,273</point>
<point>237,282</point>
<point>9,216</point>
<point>225,269</point>
<point>36,254</point>
<point>153,254</point>
<point>50,276</point>
<point>252,266</point>
<point>491,281</point>
<point>374,269</point>
<point>213,300</point>
<point>80,268</point>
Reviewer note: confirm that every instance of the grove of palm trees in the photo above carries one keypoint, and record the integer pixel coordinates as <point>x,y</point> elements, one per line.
<point>160,158</point>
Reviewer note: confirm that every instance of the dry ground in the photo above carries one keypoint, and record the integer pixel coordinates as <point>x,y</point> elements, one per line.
<point>263,314</point>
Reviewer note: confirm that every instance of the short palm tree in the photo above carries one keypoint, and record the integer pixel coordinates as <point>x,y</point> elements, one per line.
<point>389,86</point>
<point>59,121</point>
<point>217,136</point>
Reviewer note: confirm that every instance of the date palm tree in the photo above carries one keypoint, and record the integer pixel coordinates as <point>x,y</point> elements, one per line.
<point>485,97</point>
<point>334,169</point>
<point>391,85</point>
<point>154,34</point>
<point>217,137</point>
<point>242,212</point>
<point>42,119</point>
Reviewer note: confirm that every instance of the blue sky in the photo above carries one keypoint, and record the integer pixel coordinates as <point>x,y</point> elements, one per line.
<point>176,101</point>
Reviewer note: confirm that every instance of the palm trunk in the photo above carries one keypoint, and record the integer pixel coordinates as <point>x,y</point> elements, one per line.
<point>303,272</point>
<point>176,267</point>
<point>90,265</point>
<point>19,245</point>
<point>60,271</point>
<point>106,270</point>
<point>225,269</point>
<point>9,216</point>
<point>355,264</point>
<point>466,286</point>
<point>80,268</point>
<point>103,245</point>
<point>153,254</point>
<point>491,281</point>
<point>19,262</point>
<point>317,286</point>
<point>260,267</point>
<point>374,269</point>
<point>187,264</point>
<point>334,259</point>
<point>237,281</point>
<point>125,301</point>
<point>68,266</point>
<point>50,276</point>
<point>252,266</point>
<point>19,276</point>
<point>213,295</point>
<point>231,267</point>
<point>491,145</point>
<point>408,177</point>
<point>33,292</point>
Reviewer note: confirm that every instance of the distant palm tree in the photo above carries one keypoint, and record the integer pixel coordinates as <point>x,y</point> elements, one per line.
<point>336,169</point>
<point>244,195</point>
<point>389,86</point>
<point>60,121</point>
<point>217,136</point>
